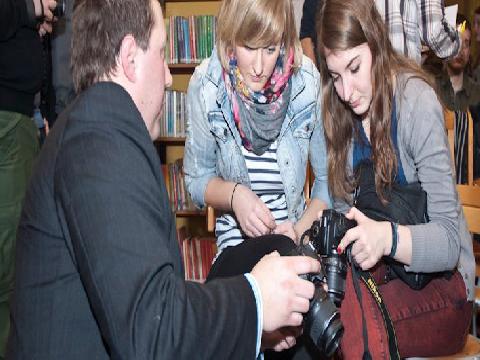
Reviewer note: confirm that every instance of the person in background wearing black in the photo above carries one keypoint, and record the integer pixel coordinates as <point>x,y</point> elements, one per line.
<point>459,92</point>
<point>98,269</point>
<point>21,71</point>
<point>308,33</point>
<point>476,32</point>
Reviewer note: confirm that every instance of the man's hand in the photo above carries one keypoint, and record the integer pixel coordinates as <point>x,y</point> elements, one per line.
<point>281,339</point>
<point>254,216</point>
<point>285,296</point>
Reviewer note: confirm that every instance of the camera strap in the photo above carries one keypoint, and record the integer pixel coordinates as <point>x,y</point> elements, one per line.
<point>371,285</point>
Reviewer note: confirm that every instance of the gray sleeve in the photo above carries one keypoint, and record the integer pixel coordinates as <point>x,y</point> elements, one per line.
<point>435,245</point>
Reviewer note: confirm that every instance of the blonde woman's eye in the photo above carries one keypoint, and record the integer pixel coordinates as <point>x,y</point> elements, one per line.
<point>271,49</point>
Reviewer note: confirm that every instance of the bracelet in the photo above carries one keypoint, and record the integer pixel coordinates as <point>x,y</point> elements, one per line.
<point>233,192</point>
<point>394,239</point>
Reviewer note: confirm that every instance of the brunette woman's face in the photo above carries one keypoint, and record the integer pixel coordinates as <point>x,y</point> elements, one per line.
<point>351,73</point>
<point>256,64</point>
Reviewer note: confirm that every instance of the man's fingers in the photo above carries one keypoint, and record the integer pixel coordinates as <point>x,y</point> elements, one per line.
<point>303,264</point>
<point>301,304</point>
<point>295,319</point>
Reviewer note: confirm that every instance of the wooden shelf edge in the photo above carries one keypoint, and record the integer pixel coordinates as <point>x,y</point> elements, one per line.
<point>189,213</point>
<point>171,139</point>
<point>183,65</point>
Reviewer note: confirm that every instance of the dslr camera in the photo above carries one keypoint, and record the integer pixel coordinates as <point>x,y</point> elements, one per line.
<point>322,321</point>
<point>325,235</point>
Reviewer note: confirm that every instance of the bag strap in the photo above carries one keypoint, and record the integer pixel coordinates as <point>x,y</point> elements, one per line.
<point>371,285</point>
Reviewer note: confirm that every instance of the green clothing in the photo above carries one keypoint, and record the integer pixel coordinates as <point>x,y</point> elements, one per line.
<point>462,100</point>
<point>18,147</point>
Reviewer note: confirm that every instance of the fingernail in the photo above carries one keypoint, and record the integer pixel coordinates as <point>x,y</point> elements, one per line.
<point>339,250</point>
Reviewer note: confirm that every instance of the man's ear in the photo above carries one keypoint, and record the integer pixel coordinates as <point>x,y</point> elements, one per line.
<point>127,57</point>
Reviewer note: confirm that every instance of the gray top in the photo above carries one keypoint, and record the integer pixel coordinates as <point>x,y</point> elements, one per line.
<point>444,242</point>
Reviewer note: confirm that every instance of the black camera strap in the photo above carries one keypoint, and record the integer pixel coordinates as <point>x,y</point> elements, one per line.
<point>373,289</point>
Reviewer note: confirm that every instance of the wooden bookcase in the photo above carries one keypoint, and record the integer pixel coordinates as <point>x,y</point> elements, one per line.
<point>172,148</point>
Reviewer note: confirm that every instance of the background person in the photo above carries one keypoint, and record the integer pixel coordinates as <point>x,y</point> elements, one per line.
<point>476,33</point>
<point>459,92</point>
<point>98,268</point>
<point>21,71</point>
<point>410,23</point>
<point>379,107</point>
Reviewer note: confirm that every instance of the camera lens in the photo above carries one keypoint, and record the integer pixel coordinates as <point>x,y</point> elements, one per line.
<point>323,323</point>
<point>336,273</point>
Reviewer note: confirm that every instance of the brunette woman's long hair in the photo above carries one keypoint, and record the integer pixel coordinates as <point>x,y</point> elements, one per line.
<point>343,25</point>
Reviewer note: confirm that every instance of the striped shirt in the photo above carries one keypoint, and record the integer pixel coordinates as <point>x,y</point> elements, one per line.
<point>413,22</point>
<point>267,184</point>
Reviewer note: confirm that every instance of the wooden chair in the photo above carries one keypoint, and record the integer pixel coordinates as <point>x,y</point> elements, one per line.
<point>212,214</point>
<point>469,193</point>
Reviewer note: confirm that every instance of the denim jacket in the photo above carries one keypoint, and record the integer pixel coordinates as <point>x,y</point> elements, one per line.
<point>212,148</point>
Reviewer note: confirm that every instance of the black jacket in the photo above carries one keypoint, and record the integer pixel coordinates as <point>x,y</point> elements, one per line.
<point>21,56</point>
<point>98,267</point>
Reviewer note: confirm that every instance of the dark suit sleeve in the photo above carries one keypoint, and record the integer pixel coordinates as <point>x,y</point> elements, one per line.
<point>123,242</point>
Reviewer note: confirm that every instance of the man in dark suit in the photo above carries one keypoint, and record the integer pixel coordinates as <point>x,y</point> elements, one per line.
<point>98,269</point>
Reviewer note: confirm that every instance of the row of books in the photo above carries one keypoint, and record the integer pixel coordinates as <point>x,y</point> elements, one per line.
<point>174,114</point>
<point>197,254</point>
<point>191,39</point>
<point>175,184</point>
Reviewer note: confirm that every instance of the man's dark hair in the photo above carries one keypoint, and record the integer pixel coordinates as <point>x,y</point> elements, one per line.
<point>98,30</point>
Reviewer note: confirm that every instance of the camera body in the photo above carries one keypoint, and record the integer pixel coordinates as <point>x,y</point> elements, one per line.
<point>325,235</point>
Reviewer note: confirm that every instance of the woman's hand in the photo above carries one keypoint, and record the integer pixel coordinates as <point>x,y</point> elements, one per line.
<point>286,228</point>
<point>253,215</point>
<point>281,339</point>
<point>371,239</point>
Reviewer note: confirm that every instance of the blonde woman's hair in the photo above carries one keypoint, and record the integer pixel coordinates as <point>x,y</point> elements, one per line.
<point>256,23</point>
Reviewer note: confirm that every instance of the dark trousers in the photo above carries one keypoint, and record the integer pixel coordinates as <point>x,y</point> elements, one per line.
<point>431,322</point>
<point>241,259</point>
<point>18,147</point>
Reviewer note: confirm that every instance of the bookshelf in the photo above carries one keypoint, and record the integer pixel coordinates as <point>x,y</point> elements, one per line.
<point>189,222</point>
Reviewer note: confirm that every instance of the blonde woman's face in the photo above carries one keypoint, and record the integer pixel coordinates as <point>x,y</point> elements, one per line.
<point>351,73</point>
<point>256,64</point>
